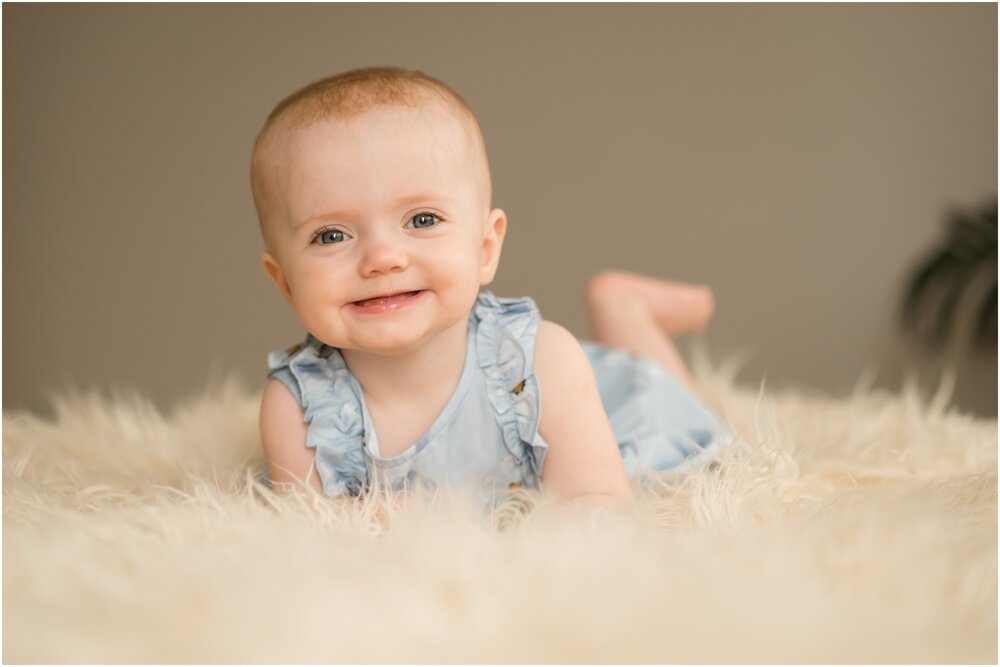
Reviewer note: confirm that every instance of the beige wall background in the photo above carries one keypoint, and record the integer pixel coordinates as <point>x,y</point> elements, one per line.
<point>799,159</point>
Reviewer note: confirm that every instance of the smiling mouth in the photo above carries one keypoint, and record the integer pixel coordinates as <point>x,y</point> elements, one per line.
<point>386,301</point>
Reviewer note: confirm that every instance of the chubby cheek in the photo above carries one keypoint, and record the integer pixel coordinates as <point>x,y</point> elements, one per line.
<point>458,266</point>
<point>317,278</point>
<point>313,294</point>
<point>307,307</point>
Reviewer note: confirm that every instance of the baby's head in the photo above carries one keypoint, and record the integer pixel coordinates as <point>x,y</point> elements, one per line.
<point>372,190</point>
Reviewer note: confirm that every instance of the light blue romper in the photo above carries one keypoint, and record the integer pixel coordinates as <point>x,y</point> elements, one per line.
<point>486,439</point>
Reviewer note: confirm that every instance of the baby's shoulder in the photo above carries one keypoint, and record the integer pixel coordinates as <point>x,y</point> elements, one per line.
<point>505,329</point>
<point>311,371</point>
<point>558,354</point>
<point>552,337</point>
<point>490,309</point>
<point>308,351</point>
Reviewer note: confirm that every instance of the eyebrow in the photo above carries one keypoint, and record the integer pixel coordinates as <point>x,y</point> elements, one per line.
<point>401,201</point>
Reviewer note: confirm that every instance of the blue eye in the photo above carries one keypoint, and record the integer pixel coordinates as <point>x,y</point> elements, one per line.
<point>329,236</point>
<point>423,220</point>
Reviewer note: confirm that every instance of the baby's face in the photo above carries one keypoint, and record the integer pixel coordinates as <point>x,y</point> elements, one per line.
<point>380,232</point>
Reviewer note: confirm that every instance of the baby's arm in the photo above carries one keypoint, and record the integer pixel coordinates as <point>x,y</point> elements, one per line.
<point>583,461</point>
<point>283,433</point>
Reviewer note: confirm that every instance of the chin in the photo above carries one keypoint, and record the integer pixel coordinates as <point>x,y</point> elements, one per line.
<point>390,342</point>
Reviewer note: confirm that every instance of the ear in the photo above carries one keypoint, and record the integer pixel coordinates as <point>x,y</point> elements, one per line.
<point>496,227</point>
<point>273,271</point>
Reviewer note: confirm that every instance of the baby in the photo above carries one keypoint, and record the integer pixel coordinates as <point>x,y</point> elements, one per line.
<point>372,190</point>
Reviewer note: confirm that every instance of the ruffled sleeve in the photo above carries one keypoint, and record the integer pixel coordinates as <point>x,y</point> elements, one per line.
<point>320,380</point>
<point>505,344</point>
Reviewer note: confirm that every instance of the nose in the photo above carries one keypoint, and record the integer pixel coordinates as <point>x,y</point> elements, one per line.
<point>383,254</point>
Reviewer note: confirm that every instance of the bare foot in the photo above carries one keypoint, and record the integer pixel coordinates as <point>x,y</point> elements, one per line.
<point>677,308</point>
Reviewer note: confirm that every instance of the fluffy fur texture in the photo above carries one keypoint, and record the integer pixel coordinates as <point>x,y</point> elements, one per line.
<point>862,529</point>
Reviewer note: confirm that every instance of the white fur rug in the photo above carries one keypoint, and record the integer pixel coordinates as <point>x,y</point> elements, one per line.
<point>856,530</point>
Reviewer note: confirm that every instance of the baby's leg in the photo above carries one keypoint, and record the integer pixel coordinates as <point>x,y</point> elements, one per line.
<point>638,314</point>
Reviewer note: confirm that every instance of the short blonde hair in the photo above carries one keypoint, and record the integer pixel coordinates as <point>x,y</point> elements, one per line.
<point>346,95</point>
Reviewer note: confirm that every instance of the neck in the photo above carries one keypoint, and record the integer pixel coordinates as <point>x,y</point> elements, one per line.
<point>406,375</point>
